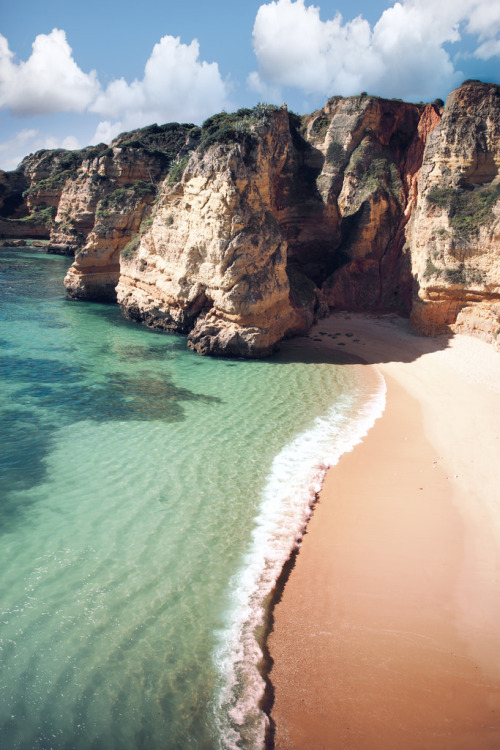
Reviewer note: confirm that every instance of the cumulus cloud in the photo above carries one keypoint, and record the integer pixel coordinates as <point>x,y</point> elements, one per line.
<point>29,140</point>
<point>49,81</point>
<point>404,54</point>
<point>177,85</point>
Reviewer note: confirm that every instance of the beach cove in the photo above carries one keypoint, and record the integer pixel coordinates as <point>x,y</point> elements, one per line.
<point>386,634</point>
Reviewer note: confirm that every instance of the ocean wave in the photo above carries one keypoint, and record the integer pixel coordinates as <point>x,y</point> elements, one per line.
<point>286,504</point>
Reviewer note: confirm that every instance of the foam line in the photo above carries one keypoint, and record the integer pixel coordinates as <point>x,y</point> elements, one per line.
<point>287,500</point>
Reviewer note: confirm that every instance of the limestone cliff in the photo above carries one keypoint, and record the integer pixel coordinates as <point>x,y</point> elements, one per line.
<point>274,220</point>
<point>245,230</point>
<point>108,201</point>
<point>454,232</point>
<point>35,191</point>
<point>367,145</point>
<point>214,262</point>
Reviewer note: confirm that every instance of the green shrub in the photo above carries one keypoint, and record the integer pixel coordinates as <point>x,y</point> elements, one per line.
<point>130,249</point>
<point>113,202</point>
<point>177,170</point>
<point>162,142</point>
<point>431,270</point>
<point>320,126</point>
<point>468,209</point>
<point>336,154</point>
<point>39,216</point>
<point>97,179</point>
<point>474,276</point>
<point>456,275</point>
<point>142,188</point>
<point>146,224</point>
<point>441,196</point>
<point>132,246</point>
<point>236,127</point>
<point>381,172</point>
<point>471,209</point>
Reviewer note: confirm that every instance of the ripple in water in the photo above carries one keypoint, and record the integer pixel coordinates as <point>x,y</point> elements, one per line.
<point>149,498</point>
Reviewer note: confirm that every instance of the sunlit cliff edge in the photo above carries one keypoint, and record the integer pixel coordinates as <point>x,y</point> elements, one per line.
<point>246,230</point>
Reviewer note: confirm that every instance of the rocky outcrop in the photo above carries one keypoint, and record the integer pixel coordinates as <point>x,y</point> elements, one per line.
<point>12,187</point>
<point>106,205</point>
<point>454,232</point>
<point>214,262</point>
<point>367,144</point>
<point>36,188</point>
<point>244,231</point>
<point>291,217</point>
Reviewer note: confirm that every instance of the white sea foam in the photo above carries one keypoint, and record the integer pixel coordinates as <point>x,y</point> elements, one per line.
<point>295,479</point>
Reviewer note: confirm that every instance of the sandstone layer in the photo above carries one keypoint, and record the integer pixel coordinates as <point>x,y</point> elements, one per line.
<point>275,219</point>
<point>246,230</point>
<point>213,263</point>
<point>454,232</point>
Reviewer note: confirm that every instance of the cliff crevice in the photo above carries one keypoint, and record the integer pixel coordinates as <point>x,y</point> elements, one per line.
<point>246,230</point>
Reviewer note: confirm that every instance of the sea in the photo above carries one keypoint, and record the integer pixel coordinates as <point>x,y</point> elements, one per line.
<point>149,499</point>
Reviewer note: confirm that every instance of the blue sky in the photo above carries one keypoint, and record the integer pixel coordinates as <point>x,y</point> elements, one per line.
<point>72,74</point>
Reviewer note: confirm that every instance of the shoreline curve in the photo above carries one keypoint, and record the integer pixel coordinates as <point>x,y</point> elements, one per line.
<point>386,633</point>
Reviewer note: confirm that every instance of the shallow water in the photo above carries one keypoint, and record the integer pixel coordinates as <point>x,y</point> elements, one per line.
<point>148,500</point>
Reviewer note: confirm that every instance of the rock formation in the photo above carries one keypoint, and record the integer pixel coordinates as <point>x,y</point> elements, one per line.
<point>214,261</point>
<point>243,231</point>
<point>454,232</point>
<point>275,219</point>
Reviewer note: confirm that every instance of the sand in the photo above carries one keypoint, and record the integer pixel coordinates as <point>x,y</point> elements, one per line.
<point>387,635</point>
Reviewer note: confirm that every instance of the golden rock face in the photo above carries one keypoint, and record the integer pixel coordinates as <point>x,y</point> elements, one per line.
<point>454,232</point>
<point>213,262</point>
<point>367,204</point>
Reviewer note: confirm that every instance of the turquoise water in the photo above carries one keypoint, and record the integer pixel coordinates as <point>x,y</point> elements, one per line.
<point>148,500</point>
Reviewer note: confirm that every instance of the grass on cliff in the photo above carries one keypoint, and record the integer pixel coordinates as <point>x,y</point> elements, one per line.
<point>132,246</point>
<point>177,170</point>
<point>158,140</point>
<point>375,170</point>
<point>381,172</point>
<point>38,216</point>
<point>468,210</point>
<point>336,154</point>
<point>457,274</point>
<point>320,126</point>
<point>62,164</point>
<point>234,127</point>
<point>121,198</point>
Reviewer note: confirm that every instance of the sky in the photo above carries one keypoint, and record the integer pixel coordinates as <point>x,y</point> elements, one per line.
<point>76,74</point>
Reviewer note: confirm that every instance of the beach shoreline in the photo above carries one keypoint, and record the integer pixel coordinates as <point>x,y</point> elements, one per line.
<point>386,633</point>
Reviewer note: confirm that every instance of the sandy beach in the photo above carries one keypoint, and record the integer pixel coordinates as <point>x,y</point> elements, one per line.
<point>387,634</point>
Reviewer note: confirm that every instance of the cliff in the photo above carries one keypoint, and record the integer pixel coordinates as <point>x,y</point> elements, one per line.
<point>454,232</point>
<point>246,230</point>
<point>214,262</point>
<point>276,219</point>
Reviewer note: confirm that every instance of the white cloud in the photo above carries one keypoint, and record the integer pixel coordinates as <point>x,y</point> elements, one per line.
<point>402,55</point>
<point>177,85</point>
<point>106,131</point>
<point>27,141</point>
<point>271,94</point>
<point>488,49</point>
<point>49,81</point>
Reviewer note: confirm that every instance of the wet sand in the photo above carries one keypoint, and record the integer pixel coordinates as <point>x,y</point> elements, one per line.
<point>387,636</point>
